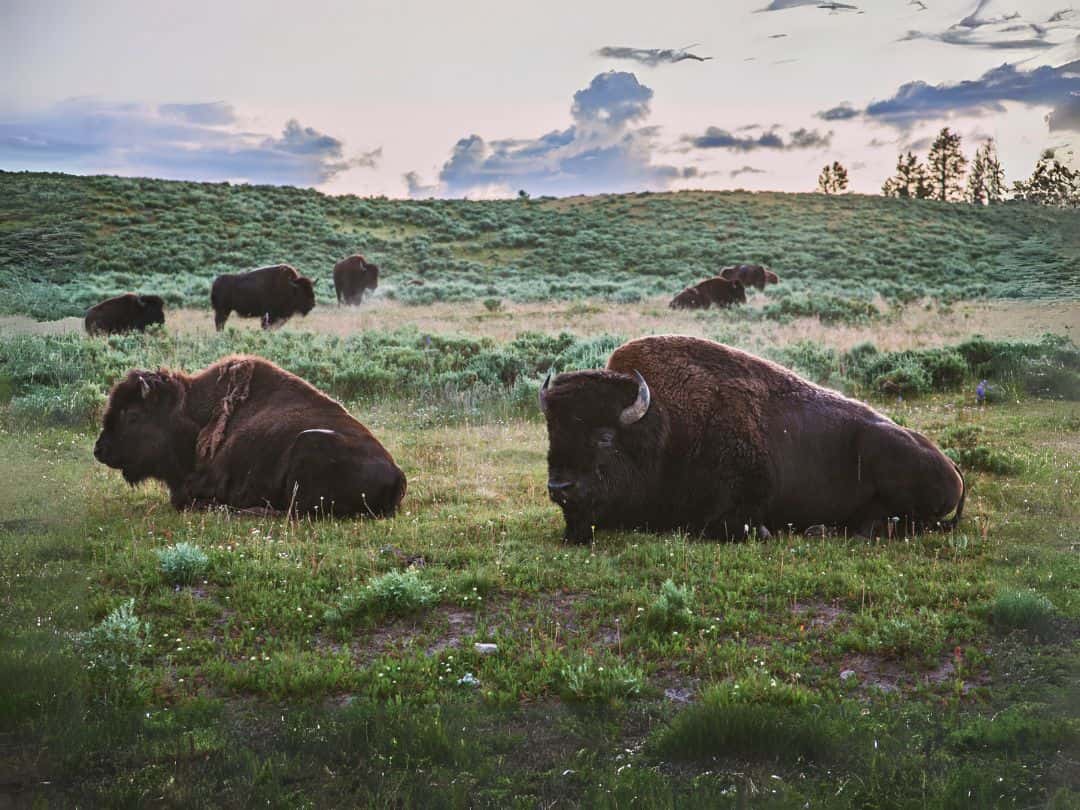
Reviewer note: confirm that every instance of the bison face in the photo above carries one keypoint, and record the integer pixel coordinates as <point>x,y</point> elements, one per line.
<point>690,298</point>
<point>600,447</point>
<point>303,290</point>
<point>144,432</point>
<point>372,281</point>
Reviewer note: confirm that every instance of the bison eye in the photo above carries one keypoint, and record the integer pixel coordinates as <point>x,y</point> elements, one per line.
<point>605,438</point>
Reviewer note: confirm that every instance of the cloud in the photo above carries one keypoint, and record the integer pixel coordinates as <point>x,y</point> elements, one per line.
<point>842,112</point>
<point>746,170</point>
<point>601,151</point>
<point>175,141</point>
<point>919,101</point>
<point>650,57</point>
<point>999,32</point>
<point>717,138</point>
<point>781,5</point>
<point>417,189</point>
<point>1066,116</point>
<point>214,113</point>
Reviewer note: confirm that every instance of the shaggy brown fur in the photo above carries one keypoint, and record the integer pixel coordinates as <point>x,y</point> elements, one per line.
<point>352,276</point>
<point>730,441</point>
<point>716,290</point>
<point>247,434</point>
<point>751,275</point>
<point>125,313</point>
<point>274,294</point>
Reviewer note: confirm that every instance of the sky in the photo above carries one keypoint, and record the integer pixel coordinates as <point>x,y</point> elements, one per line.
<point>481,99</point>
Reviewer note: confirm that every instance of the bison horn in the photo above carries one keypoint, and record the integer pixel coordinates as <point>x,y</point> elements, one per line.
<point>543,393</point>
<point>145,386</point>
<point>640,407</point>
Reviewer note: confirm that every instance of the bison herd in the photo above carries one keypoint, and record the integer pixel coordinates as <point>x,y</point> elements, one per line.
<point>725,289</point>
<point>676,433</point>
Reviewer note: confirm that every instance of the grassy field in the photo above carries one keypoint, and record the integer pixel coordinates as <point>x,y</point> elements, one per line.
<point>155,658</point>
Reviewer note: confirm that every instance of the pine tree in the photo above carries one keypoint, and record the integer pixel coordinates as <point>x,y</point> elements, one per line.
<point>1052,183</point>
<point>910,179</point>
<point>833,179</point>
<point>986,180</point>
<point>947,164</point>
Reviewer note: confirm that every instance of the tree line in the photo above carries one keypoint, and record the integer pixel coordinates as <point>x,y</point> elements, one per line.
<point>943,176</point>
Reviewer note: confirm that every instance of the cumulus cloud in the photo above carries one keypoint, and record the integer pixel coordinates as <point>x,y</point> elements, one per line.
<point>603,150</point>
<point>918,101</point>
<point>1066,116</point>
<point>175,141</point>
<point>841,112</point>
<point>717,138</point>
<point>651,57</point>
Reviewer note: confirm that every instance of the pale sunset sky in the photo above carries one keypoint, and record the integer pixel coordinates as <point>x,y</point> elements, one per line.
<point>481,99</point>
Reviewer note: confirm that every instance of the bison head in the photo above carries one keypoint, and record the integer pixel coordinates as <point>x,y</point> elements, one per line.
<point>145,432</point>
<point>152,309</point>
<point>771,277</point>
<point>603,442</point>
<point>303,294</point>
<point>371,280</point>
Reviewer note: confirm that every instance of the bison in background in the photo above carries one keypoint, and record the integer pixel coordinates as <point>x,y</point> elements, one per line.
<point>352,276</point>
<point>274,294</point>
<point>684,433</point>
<point>751,275</point>
<point>247,434</point>
<point>716,290</point>
<point>124,313</point>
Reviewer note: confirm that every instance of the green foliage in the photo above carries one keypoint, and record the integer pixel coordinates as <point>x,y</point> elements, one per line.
<point>69,404</point>
<point>600,681</point>
<point>672,608</point>
<point>1016,730</point>
<point>395,593</point>
<point>114,647</point>
<point>1023,610</point>
<point>70,242</point>
<point>183,563</point>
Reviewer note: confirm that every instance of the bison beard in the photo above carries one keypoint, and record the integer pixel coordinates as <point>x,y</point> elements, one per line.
<point>246,434</point>
<point>717,440</point>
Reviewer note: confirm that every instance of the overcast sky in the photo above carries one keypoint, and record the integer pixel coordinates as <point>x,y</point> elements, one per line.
<point>485,98</point>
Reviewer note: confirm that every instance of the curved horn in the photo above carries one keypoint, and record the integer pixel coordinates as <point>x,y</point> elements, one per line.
<point>543,393</point>
<point>144,386</point>
<point>640,407</point>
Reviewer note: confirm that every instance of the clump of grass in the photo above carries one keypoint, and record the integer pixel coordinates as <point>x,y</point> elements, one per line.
<point>756,717</point>
<point>183,563</point>
<point>396,593</point>
<point>1023,610</point>
<point>985,459</point>
<point>671,610</point>
<point>600,682</point>
<point>114,646</point>
<point>1016,730</point>
<point>493,304</point>
<point>68,405</point>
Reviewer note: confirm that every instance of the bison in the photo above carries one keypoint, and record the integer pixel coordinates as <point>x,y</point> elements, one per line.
<point>274,293</point>
<point>684,433</point>
<point>716,290</point>
<point>352,276</point>
<point>124,313</point>
<point>246,434</point>
<point>751,275</point>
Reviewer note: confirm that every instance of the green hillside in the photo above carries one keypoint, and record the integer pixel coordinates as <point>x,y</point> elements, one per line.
<point>67,242</point>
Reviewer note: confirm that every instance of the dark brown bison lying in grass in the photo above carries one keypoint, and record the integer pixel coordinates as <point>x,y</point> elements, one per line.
<point>246,434</point>
<point>716,290</point>
<point>274,294</point>
<point>751,275</point>
<point>352,276</point>
<point>683,433</point>
<point>125,313</point>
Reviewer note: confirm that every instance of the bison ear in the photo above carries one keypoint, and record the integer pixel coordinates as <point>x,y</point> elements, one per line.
<point>543,393</point>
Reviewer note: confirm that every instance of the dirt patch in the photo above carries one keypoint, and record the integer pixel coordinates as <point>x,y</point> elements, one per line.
<point>819,615</point>
<point>875,672</point>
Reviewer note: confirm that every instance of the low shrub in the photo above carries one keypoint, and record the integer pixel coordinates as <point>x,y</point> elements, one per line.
<point>396,593</point>
<point>1023,610</point>
<point>114,647</point>
<point>600,682</point>
<point>671,609</point>
<point>183,563</point>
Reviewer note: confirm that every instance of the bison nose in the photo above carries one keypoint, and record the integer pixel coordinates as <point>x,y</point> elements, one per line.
<point>99,450</point>
<point>559,491</point>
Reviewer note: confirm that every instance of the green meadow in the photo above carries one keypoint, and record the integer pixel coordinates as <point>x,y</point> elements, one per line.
<point>204,659</point>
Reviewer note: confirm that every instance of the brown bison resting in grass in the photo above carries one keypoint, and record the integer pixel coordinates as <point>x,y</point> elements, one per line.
<point>247,434</point>
<point>125,313</point>
<point>274,294</point>
<point>751,275</point>
<point>714,290</point>
<point>683,433</point>
<point>352,276</point>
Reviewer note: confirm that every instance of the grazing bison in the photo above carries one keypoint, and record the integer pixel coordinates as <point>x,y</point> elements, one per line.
<point>716,290</point>
<point>352,276</point>
<point>125,313</point>
<point>274,293</point>
<point>246,434</point>
<point>683,433</point>
<point>751,275</point>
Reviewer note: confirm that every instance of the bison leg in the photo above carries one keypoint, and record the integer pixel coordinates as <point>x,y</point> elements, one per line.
<point>220,316</point>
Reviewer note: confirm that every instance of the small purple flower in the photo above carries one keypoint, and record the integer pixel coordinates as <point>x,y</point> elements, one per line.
<point>980,392</point>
